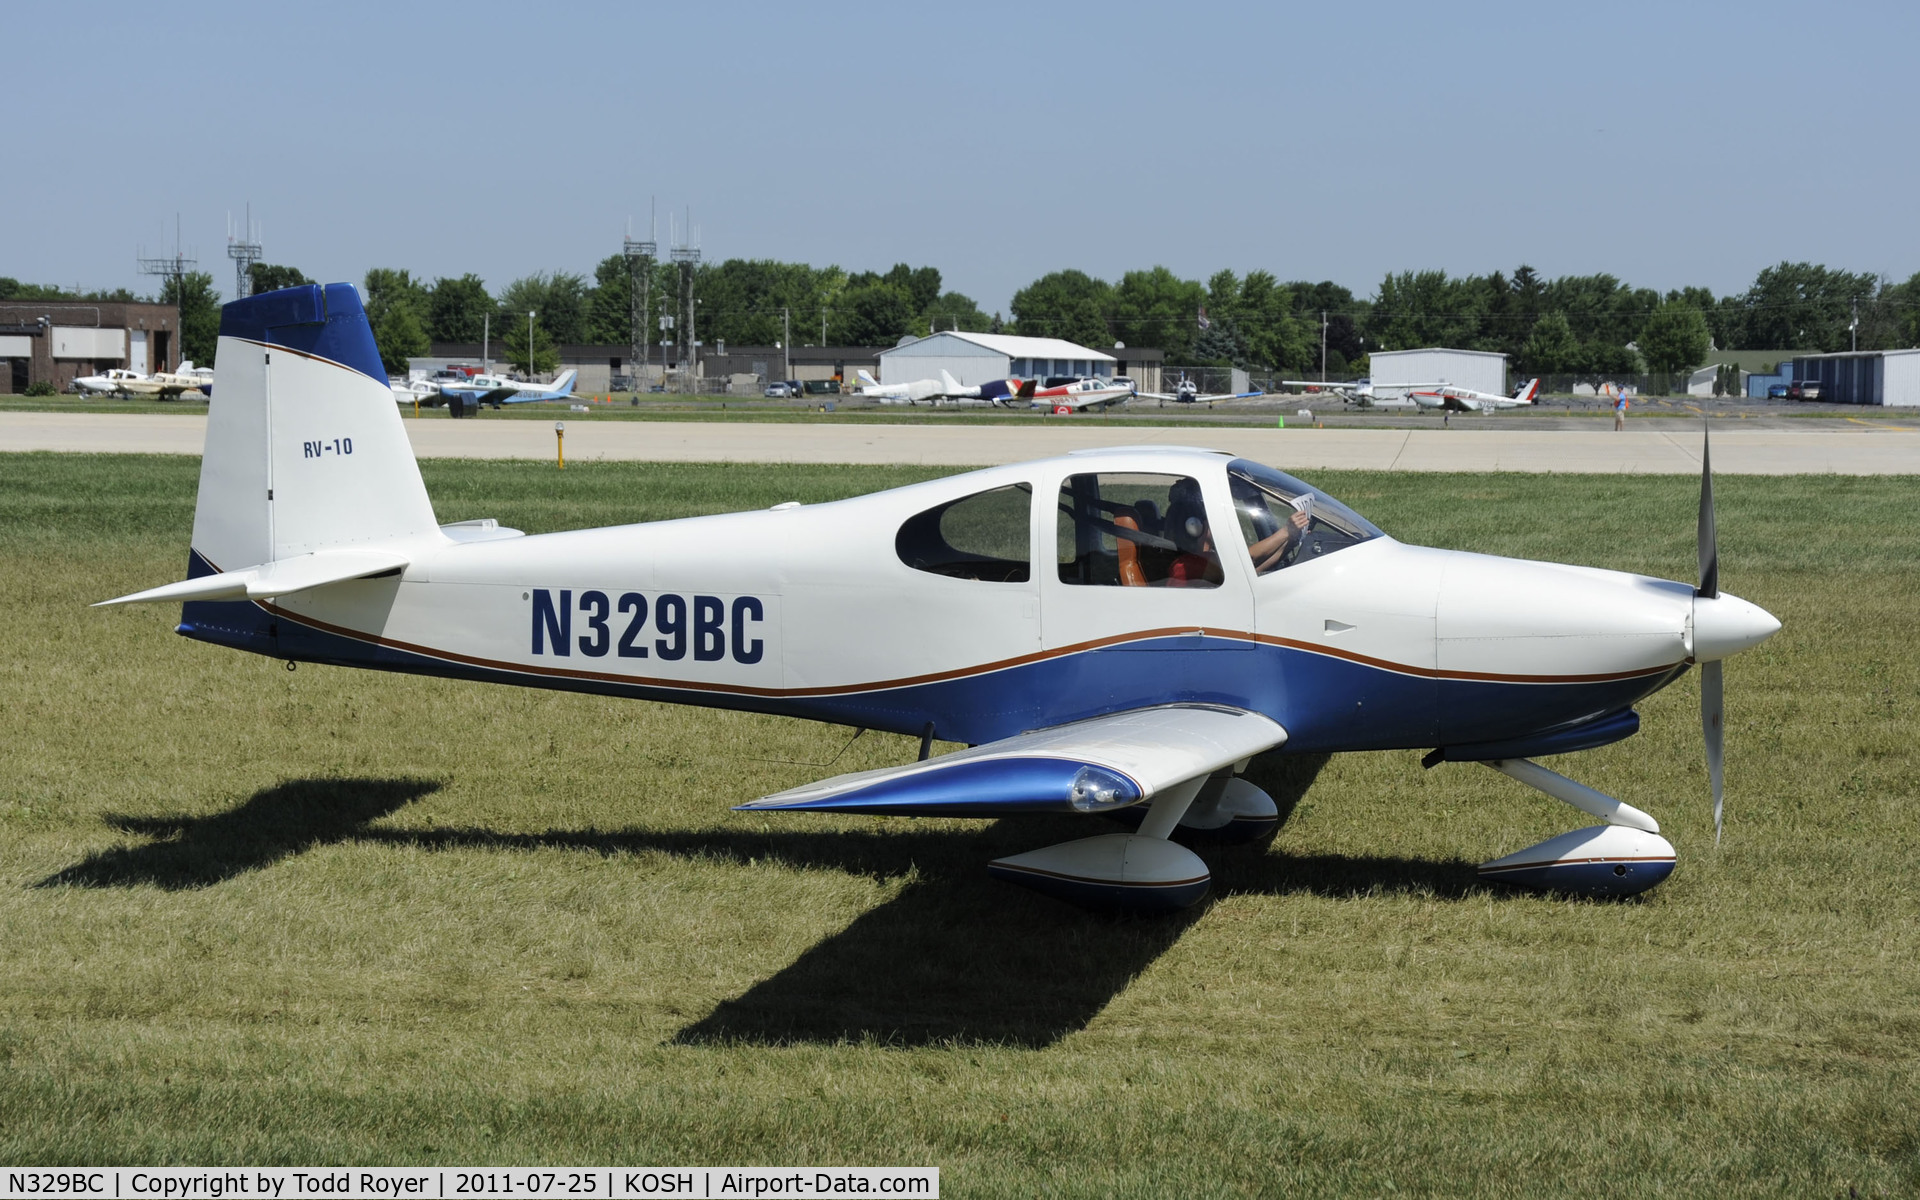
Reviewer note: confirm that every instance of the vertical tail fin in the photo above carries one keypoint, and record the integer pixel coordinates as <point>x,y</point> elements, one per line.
<point>1530,393</point>
<point>866,380</point>
<point>305,448</point>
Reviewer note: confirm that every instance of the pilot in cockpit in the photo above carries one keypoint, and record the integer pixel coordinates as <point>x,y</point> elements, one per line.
<point>1276,542</point>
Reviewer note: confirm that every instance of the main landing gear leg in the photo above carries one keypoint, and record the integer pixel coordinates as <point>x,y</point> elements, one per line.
<point>1623,856</point>
<point>1140,872</point>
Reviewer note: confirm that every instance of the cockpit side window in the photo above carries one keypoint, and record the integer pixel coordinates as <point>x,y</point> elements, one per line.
<point>1285,521</point>
<point>985,536</point>
<point>1126,530</point>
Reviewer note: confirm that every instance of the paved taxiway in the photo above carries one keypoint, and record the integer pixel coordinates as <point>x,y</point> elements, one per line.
<point>1670,447</point>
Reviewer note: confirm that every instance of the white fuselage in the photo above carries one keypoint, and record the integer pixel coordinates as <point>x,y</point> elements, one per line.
<point>810,611</point>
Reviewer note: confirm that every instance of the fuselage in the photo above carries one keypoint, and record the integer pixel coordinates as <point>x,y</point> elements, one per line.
<point>814,611</point>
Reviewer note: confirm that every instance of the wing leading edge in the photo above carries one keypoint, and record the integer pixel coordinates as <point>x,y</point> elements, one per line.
<point>1087,766</point>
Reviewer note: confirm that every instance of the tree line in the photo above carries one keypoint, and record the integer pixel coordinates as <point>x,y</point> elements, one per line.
<point>1594,325</point>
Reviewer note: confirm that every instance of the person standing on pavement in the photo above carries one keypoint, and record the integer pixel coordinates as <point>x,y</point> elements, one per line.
<point>1620,413</point>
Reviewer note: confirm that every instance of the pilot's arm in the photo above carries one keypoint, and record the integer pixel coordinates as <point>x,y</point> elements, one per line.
<point>1271,551</point>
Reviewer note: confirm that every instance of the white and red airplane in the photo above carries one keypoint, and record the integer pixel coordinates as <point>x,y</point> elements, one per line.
<point>1140,622</point>
<point>1079,394</point>
<point>1461,399</point>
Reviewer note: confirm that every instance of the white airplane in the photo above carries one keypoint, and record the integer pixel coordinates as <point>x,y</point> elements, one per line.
<point>1351,389</point>
<point>937,391</point>
<point>115,381</point>
<point>1460,399</point>
<point>499,389</point>
<point>163,384</point>
<point>1188,392</point>
<point>1209,609</point>
<point>1080,394</point>
<point>416,391</point>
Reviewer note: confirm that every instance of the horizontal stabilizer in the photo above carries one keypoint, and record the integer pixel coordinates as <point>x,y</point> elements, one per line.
<point>279,578</point>
<point>1089,766</point>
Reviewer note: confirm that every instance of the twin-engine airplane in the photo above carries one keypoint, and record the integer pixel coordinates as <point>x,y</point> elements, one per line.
<point>1461,399</point>
<point>1138,622</point>
<point>498,389</point>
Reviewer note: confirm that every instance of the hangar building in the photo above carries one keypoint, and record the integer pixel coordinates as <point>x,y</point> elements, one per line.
<point>57,341</point>
<point>1889,377</point>
<point>976,358</point>
<point>1396,370</point>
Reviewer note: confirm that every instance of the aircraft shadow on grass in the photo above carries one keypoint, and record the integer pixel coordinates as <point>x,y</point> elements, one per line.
<point>274,823</point>
<point>954,957</point>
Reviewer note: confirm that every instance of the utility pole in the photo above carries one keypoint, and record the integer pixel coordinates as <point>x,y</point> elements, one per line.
<point>786,339</point>
<point>1854,328</point>
<point>1323,345</point>
<point>486,337</point>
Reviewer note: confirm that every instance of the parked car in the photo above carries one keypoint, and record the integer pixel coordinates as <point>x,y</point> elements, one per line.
<point>778,391</point>
<point>1777,391</point>
<point>1804,389</point>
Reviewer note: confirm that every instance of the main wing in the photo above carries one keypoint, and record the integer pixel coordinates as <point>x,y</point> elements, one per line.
<point>1088,766</point>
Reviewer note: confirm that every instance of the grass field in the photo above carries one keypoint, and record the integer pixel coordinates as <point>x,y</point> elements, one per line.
<point>248,916</point>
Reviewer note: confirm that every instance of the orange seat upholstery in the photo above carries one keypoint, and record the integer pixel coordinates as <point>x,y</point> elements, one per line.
<point>1130,573</point>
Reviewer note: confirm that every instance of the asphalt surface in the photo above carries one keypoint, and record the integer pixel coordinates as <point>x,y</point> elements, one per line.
<point>1468,443</point>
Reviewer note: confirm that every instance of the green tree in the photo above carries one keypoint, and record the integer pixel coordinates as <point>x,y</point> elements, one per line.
<point>1551,348</point>
<point>199,307</point>
<point>513,342</point>
<point>560,298</point>
<point>1065,304</point>
<point>267,277</point>
<point>1275,338</point>
<point>874,314</point>
<point>395,304</point>
<point>956,311</point>
<point>1674,337</point>
<point>610,303</point>
<point>456,309</point>
<point>1156,308</point>
<point>1803,306</point>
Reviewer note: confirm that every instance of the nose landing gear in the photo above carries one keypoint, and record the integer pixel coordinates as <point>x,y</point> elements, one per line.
<point>1620,858</point>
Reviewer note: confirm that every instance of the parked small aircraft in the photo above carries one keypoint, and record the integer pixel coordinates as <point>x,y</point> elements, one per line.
<point>498,389</point>
<point>163,384</point>
<point>1460,399</point>
<point>1349,390</point>
<point>114,382</point>
<point>945,389</point>
<point>1188,392</point>
<point>1140,622</point>
<point>1079,394</point>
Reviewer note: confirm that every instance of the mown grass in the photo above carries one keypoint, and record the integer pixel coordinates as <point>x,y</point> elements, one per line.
<point>332,916</point>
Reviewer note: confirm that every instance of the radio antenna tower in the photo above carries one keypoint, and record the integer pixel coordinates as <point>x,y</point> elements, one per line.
<point>687,257</point>
<point>640,257</point>
<point>174,268</point>
<point>244,251</point>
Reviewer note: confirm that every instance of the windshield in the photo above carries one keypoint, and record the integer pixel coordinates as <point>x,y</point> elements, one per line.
<point>1286,520</point>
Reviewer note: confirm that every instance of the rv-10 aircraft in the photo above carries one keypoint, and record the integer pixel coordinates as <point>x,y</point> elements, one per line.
<point>1461,399</point>
<point>1141,622</point>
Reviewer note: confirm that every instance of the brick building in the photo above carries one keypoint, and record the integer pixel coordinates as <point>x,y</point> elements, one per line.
<point>60,340</point>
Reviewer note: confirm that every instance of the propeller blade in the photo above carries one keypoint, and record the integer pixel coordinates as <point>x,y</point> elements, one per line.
<point>1713,727</point>
<point>1709,541</point>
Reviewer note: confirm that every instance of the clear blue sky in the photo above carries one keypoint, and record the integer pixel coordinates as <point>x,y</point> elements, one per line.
<point>1669,143</point>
